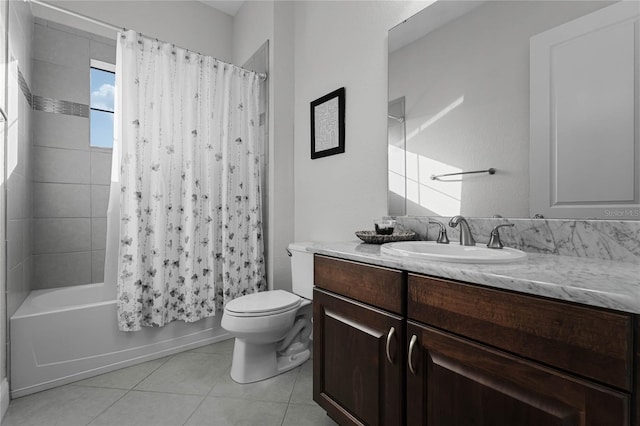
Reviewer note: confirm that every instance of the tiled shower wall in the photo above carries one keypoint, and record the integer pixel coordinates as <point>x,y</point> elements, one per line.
<point>18,155</point>
<point>70,179</point>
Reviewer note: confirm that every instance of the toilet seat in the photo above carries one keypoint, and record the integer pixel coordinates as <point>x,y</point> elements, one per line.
<point>263,304</point>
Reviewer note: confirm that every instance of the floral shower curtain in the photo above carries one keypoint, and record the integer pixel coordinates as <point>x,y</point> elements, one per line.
<point>187,176</point>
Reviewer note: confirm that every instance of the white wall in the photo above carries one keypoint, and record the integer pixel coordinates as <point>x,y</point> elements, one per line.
<point>188,24</point>
<point>343,44</point>
<point>281,192</point>
<point>316,47</point>
<point>4,396</point>
<point>252,26</point>
<point>256,22</point>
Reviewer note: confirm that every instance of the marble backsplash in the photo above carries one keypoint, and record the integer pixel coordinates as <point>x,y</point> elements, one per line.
<point>600,239</point>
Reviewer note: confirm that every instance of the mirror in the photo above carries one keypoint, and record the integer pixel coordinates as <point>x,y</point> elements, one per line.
<point>462,93</point>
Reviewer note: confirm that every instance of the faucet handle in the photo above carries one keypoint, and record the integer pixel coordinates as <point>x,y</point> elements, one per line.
<point>442,234</point>
<point>494,238</point>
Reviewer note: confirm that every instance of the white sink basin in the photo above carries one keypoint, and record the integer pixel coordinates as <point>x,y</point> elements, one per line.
<point>454,252</point>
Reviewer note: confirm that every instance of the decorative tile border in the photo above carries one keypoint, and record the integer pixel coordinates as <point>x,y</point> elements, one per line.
<point>56,106</point>
<point>599,239</point>
<point>24,87</point>
<point>41,103</point>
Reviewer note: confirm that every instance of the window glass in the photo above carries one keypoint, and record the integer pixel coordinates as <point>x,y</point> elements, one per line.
<point>101,129</point>
<point>102,107</point>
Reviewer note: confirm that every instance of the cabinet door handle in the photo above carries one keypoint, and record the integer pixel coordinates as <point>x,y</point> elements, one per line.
<point>412,344</point>
<point>389,336</point>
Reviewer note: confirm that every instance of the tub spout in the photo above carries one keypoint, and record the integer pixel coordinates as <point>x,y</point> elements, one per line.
<point>466,238</point>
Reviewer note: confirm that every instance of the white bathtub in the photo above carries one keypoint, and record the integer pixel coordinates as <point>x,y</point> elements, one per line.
<point>66,334</point>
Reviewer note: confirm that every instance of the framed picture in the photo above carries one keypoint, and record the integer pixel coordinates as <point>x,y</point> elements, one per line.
<point>327,124</point>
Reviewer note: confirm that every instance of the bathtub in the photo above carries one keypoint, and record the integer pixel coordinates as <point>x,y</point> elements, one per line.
<point>66,334</point>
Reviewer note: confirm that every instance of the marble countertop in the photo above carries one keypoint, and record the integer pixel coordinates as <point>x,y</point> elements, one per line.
<point>594,282</point>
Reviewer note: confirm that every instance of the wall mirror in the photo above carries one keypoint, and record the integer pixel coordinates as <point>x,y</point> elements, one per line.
<point>546,93</point>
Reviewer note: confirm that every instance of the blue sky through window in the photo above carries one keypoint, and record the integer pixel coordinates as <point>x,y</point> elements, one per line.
<point>102,107</point>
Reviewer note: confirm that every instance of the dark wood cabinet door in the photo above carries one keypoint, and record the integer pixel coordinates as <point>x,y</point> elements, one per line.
<point>359,361</point>
<point>454,381</point>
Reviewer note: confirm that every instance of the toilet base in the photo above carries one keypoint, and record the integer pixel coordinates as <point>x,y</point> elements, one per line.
<point>252,363</point>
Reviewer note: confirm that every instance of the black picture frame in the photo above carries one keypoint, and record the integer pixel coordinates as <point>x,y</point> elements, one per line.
<point>327,124</point>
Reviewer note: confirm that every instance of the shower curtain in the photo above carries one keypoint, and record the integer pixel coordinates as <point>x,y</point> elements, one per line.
<point>185,208</point>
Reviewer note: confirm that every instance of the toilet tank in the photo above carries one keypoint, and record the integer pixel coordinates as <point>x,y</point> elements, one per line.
<point>301,270</point>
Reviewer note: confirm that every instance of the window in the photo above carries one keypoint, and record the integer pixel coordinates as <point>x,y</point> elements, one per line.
<point>102,86</point>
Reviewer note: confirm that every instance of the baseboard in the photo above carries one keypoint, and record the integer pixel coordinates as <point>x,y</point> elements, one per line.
<point>4,398</point>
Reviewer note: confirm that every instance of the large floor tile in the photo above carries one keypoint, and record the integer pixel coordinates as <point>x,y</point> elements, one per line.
<point>149,408</point>
<point>225,347</point>
<point>237,412</point>
<point>187,373</point>
<point>303,389</point>
<point>306,415</point>
<point>275,389</point>
<point>66,405</point>
<point>125,378</point>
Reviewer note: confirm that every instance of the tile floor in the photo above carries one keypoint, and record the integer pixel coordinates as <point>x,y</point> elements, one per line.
<point>192,388</point>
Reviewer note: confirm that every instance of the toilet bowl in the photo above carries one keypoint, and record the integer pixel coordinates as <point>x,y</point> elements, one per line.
<point>272,329</point>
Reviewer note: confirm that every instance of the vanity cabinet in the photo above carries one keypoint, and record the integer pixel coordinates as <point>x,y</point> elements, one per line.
<point>471,355</point>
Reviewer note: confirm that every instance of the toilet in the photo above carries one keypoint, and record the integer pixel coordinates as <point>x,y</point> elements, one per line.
<point>272,329</point>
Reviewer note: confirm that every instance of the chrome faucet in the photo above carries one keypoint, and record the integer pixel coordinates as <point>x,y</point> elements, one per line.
<point>442,234</point>
<point>466,239</point>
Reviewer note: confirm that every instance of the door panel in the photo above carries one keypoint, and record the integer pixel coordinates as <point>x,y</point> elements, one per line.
<point>356,379</point>
<point>349,379</point>
<point>458,382</point>
<point>584,159</point>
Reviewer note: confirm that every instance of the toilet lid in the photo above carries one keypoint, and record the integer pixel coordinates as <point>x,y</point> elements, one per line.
<point>266,302</point>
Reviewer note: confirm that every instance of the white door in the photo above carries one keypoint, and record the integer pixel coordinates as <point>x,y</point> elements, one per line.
<point>584,149</point>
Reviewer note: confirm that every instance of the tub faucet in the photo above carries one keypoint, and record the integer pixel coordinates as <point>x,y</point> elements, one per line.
<point>466,239</point>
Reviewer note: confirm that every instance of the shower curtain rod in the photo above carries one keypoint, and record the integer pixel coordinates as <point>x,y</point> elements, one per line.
<point>261,75</point>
